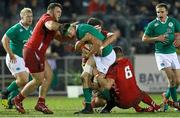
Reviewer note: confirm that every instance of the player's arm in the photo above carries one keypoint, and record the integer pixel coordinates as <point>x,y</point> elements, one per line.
<point>94,41</point>
<point>110,38</point>
<point>5,41</point>
<point>52,25</point>
<point>177,40</point>
<point>149,39</point>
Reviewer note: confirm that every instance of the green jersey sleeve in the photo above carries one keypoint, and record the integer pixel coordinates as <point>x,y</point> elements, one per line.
<point>11,33</point>
<point>149,30</point>
<point>177,26</point>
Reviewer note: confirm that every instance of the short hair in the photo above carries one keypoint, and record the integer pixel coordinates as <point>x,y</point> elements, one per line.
<point>24,11</point>
<point>118,49</point>
<point>94,21</point>
<point>160,5</point>
<point>53,5</point>
<point>65,28</point>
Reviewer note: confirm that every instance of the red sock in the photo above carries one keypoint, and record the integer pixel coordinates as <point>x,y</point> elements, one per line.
<point>148,100</point>
<point>20,97</point>
<point>41,100</point>
<point>138,108</point>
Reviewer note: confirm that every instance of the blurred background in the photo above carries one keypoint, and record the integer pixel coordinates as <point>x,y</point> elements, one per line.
<point>128,18</point>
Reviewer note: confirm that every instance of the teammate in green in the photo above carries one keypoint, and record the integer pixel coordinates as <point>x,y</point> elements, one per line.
<point>13,42</point>
<point>162,31</point>
<point>99,58</point>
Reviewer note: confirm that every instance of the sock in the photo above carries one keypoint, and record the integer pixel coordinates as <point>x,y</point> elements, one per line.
<point>148,100</point>
<point>167,95</point>
<point>20,97</point>
<point>87,95</point>
<point>173,93</point>
<point>13,94</point>
<point>12,86</point>
<point>138,108</point>
<point>41,100</point>
<point>88,106</point>
<point>106,94</point>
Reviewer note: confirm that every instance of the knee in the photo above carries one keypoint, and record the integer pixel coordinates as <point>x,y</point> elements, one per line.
<point>21,82</point>
<point>85,77</point>
<point>173,83</point>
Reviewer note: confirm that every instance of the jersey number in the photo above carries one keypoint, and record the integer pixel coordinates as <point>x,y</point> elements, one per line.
<point>128,72</point>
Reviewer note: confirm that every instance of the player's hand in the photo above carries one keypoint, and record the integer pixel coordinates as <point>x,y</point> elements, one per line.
<point>12,58</point>
<point>177,41</point>
<point>161,38</point>
<point>99,52</point>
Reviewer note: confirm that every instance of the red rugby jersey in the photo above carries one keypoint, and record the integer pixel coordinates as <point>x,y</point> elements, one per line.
<point>126,89</point>
<point>41,37</point>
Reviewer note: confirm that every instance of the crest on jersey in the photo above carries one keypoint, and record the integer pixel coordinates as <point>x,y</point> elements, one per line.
<point>156,24</point>
<point>170,24</point>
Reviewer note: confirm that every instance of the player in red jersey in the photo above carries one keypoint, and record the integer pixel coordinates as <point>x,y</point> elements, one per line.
<point>46,29</point>
<point>126,93</point>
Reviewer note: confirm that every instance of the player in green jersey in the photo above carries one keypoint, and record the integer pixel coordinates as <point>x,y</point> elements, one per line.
<point>106,57</point>
<point>162,31</point>
<point>13,42</point>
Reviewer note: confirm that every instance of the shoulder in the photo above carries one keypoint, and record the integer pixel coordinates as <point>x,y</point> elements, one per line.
<point>46,17</point>
<point>14,28</point>
<point>153,22</point>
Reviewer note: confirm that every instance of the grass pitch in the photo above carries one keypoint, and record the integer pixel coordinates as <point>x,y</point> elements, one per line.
<point>65,107</point>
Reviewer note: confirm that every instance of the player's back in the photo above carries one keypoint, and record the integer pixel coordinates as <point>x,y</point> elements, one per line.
<point>126,88</point>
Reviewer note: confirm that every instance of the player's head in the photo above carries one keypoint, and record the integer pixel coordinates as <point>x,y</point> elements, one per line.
<point>97,23</point>
<point>119,51</point>
<point>55,10</point>
<point>161,10</point>
<point>69,30</point>
<point>26,16</point>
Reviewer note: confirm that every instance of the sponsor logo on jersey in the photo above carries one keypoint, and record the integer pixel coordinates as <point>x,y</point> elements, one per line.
<point>21,30</point>
<point>156,24</point>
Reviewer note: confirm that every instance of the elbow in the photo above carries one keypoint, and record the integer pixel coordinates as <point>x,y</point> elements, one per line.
<point>144,39</point>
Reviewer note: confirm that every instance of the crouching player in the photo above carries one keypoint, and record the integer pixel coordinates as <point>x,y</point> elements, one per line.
<point>126,93</point>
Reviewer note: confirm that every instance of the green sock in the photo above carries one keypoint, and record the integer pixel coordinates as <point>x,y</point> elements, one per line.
<point>173,93</point>
<point>13,94</point>
<point>168,93</point>
<point>12,86</point>
<point>87,94</point>
<point>106,94</point>
<point>30,78</point>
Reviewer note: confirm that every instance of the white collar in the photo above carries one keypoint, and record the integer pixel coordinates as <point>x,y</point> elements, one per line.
<point>26,28</point>
<point>161,21</point>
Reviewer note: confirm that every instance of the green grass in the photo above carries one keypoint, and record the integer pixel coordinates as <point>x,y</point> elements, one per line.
<point>65,107</point>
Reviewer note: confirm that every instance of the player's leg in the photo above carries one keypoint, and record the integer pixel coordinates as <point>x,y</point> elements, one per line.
<point>172,79</point>
<point>28,88</point>
<point>86,83</point>
<point>10,98</point>
<point>43,89</point>
<point>148,100</point>
<point>18,70</point>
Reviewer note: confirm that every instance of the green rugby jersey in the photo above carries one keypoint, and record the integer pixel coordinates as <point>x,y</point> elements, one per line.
<point>169,28</point>
<point>82,29</point>
<point>18,36</point>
